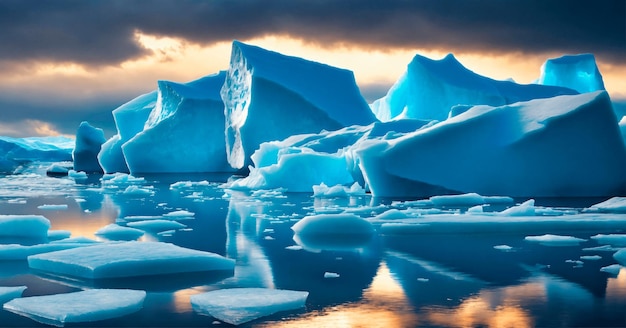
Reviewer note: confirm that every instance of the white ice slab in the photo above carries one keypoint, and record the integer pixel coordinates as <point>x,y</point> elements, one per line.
<point>555,240</point>
<point>613,205</point>
<point>15,252</point>
<point>156,225</point>
<point>79,307</point>
<point>9,293</point>
<point>333,224</point>
<point>117,232</point>
<point>53,207</point>
<point>610,239</point>
<point>612,269</point>
<point>30,226</point>
<point>240,305</point>
<point>128,259</point>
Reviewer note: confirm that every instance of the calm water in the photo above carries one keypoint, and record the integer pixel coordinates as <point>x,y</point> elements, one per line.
<point>442,280</point>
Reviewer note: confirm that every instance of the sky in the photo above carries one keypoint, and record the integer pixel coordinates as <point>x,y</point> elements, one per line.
<point>67,61</point>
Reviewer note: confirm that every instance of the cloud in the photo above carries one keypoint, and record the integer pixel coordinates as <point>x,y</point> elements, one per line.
<point>104,32</point>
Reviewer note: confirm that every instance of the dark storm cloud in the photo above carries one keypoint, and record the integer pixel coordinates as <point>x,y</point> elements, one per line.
<point>102,32</point>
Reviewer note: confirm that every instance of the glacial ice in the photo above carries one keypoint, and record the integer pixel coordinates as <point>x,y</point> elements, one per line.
<point>128,259</point>
<point>184,131</point>
<point>555,240</point>
<point>240,305</point>
<point>520,150</point>
<point>9,293</point>
<point>577,72</point>
<point>16,151</point>
<point>116,232</point>
<point>429,89</point>
<point>269,96</point>
<point>27,226</point>
<point>78,307</point>
<point>129,120</point>
<point>89,140</point>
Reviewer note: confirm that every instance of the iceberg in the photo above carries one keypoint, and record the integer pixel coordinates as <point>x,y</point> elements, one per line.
<point>117,232</point>
<point>577,72</point>
<point>620,256</point>
<point>557,147</point>
<point>184,131</point>
<point>129,120</point>
<point>78,307</point>
<point>17,151</point>
<point>89,140</point>
<point>9,293</point>
<point>430,90</point>
<point>240,305</point>
<point>26,226</point>
<point>269,96</point>
<point>128,259</point>
<point>611,205</point>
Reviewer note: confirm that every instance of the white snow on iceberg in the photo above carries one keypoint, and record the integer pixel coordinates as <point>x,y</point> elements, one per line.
<point>269,96</point>
<point>128,259</point>
<point>430,89</point>
<point>240,305</point>
<point>78,307</point>
<point>556,147</point>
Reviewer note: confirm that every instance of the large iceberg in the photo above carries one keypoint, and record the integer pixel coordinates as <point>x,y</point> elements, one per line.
<point>26,226</point>
<point>89,140</point>
<point>269,96</point>
<point>240,305</point>
<point>128,259</point>
<point>578,72</point>
<point>561,146</point>
<point>184,132</point>
<point>129,120</point>
<point>16,151</point>
<point>430,89</point>
<point>78,307</point>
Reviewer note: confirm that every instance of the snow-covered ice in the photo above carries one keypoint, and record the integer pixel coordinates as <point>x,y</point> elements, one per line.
<point>328,275</point>
<point>503,247</point>
<point>519,150</point>
<point>9,293</point>
<point>89,140</point>
<point>555,240</point>
<point>322,190</point>
<point>78,307</point>
<point>469,199</point>
<point>116,232</point>
<point>430,89</point>
<point>263,88</point>
<point>240,305</point>
<point>128,259</point>
<point>591,257</point>
<point>28,226</point>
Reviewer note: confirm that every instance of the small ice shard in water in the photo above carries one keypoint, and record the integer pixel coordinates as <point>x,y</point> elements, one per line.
<point>503,247</point>
<point>620,256</point>
<point>240,305</point>
<point>555,240</point>
<point>128,259</point>
<point>322,190</point>
<point>333,224</point>
<point>328,275</point>
<point>612,205</point>
<point>138,191</point>
<point>117,232</point>
<point>591,257</point>
<point>423,279</point>
<point>156,225</point>
<point>79,307</point>
<point>612,269</point>
<point>618,240</point>
<point>52,207</point>
<point>9,293</point>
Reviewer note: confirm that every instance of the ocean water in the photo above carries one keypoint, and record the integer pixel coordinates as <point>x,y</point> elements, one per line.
<point>440,279</point>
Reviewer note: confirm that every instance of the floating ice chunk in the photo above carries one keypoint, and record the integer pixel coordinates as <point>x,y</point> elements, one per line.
<point>59,169</point>
<point>116,232</point>
<point>9,293</point>
<point>612,205</point>
<point>138,191</point>
<point>179,214</point>
<point>294,247</point>
<point>526,208</point>
<point>128,259</point>
<point>89,140</point>
<point>79,307</point>
<point>14,252</point>
<point>52,207</point>
<point>121,179</point>
<point>577,72</point>
<point>184,131</point>
<point>611,239</point>
<point>156,225</point>
<point>29,226</point>
<point>423,279</point>
<point>331,275</point>
<point>591,257</point>
<point>58,234</point>
<point>189,184</point>
<point>469,199</point>
<point>425,162</point>
<point>555,240</point>
<point>76,240</point>
<point>77,175</point>
<point>431,89</point>
<point>333,224</point>
<point>326,98</point>
<point>475,209</point>
<point>576,263</point>
<point>503,247</point>
<point>612,269</point>
<point>322,190</point>
<point>620,256</point>
<point>240,305</point>
<point>603,248</point>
